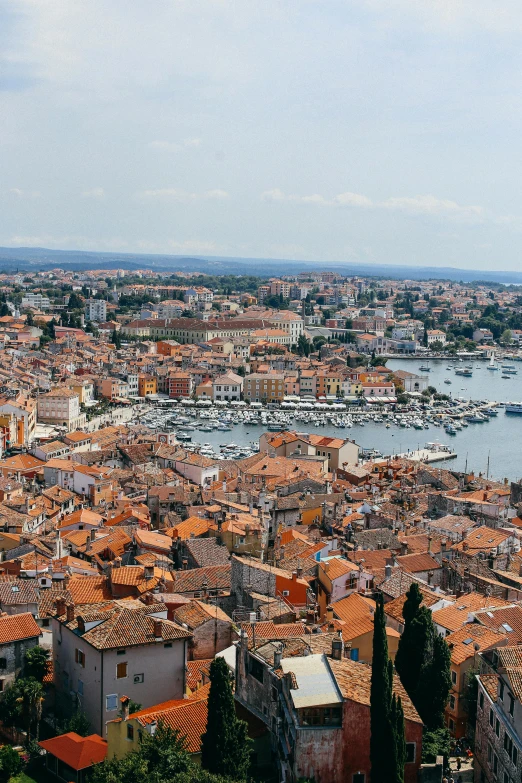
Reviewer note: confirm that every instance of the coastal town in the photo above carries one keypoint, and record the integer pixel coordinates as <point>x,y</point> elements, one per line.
<point>145,575</point>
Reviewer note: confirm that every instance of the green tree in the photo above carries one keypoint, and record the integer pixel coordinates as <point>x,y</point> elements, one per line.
<point>225,747</point>
<point>36,663</point>
<point>434,685</point>
<point>79,723</point>
<point>29,320</point>
<point>10,763</point>
<point>116,339</point>
<point>4,310</point>
<point>506,337</point>
<point>383,740</point>
<point>435,743</point>
<point>30,700</point>
<point>400,737</point>
<point>414,646</point>
<point>75,302</point>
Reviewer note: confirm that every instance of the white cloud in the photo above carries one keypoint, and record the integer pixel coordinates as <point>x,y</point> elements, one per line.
<point>416,205</point>
<point>192,142</point>
<point>94,193</point>
<point>20,193</point>
<point>173,146</point>
<point>352,200</point>
<point>430,205</point>
<point>183,196</point>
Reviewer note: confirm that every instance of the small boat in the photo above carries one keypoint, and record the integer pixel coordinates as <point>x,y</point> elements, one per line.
<point>447,380</point>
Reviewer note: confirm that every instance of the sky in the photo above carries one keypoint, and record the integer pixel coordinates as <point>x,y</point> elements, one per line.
<point>383,131</point>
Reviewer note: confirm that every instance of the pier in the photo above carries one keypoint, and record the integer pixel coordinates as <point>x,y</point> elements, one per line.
<point>427,455</point>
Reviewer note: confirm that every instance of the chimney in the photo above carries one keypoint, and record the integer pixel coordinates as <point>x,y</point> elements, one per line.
<point>157,629</point>
<point>116,562</point>
<point>329,614</point>
<point>148,572</point>
<point>294,576</point>
<point>60,606</point>
<point>124,701</point>
<point>278,654</point>
<point>184,564</point>
<point>148,599</point>
<point>387,571</point>
<point>404,547</point>
<point>299,571</point>
<point>69,610</point>
<point>81,624</point>
<point>429,543</point>
<point>337,647</point>
<point>310,616</point>
<point>465,546</point>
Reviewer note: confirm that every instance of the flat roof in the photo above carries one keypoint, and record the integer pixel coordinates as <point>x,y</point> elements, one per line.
<point>316,684</point>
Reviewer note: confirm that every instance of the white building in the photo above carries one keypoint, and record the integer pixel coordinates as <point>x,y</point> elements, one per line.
<point>96,310</point>
<point>227,387</point>
<point>38,301</point>
<point>61,407</point>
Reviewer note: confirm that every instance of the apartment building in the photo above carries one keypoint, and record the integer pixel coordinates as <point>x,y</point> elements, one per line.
<point>269,387</point>
<point>38,301</point>
<point>96,310</point>
<point>114,649</point>
<point>61,407</point>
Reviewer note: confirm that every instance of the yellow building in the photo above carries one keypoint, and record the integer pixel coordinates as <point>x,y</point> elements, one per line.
<point>147,384</point>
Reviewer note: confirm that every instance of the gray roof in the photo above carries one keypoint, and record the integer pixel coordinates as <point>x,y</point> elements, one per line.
<point>316,684</point>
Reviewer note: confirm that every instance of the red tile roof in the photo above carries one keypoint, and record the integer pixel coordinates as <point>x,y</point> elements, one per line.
<point>75,751</point>
<point>14,628</point>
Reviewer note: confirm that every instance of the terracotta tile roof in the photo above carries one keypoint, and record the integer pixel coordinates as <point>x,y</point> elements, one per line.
<point>266,629</point>
<point>135,576</point>
<point>192,526</point>
<point>455,616</point>
<point>197,672</point>
<point>354,679</point>
<point>337,567</point>
<point>188,716</point>
<point>468,640</point>
<point>507,619</point>
<point>482,539</point>
<point>216,577</point>
<point>490,683</point>
<point>75,751</point>
<point>510,658</point>
<point>394,608</point>
<point>357,614</point>
<point>418,562</point>
<point>197,613</point>
<point>14,628</point>
<point>122,624</point>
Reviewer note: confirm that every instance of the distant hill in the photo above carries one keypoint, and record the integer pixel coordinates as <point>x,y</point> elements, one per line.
<point>34,258</point>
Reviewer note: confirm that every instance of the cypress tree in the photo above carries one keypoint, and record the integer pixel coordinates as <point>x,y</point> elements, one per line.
<point>225,747</point>
<point>415,647</point>
<point>434,685</point>
<point>400,738</point>
<point>383,751</point>
<point>412,603</point>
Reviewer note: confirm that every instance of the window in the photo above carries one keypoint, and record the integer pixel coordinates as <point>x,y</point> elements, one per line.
<point>354,653</point>
<point>495,764</point>
<point>491,717</point>
<point>111,702</point>
<point>453,677</point>
<point>481,701</point>
<point>490,754</point>
<point>256,669</point>
<point>167,644</point>
<point>3,663</point>
<point>451,724</point>
<point>506,777</point>
<point>358,777</point>
<point>410,752</point>
<point>497,727</point>
<point>452,702</point>
<point>80,688</point>
<point>130,732</point>
<point>501,690</point>
<point>79,657</point>
<point>511,704</point>
<point>1,685</point>
<point>514,756</point>
<point>121,670</point>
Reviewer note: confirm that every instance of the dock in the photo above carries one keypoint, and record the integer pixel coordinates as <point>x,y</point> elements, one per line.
<point>426,455</point>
